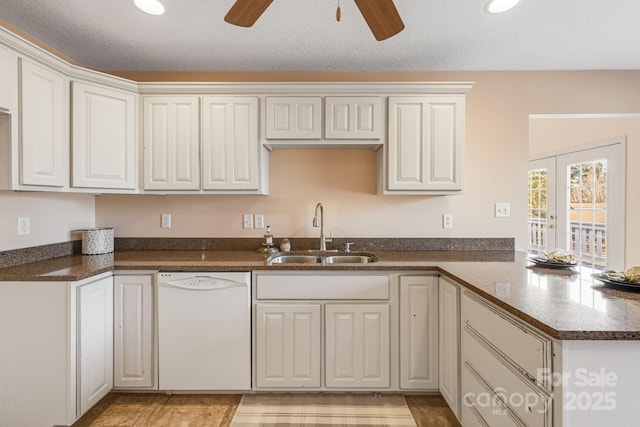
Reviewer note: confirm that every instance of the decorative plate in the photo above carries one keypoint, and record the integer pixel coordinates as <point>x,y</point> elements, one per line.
<point>545,263</point>
<point>617,284</point>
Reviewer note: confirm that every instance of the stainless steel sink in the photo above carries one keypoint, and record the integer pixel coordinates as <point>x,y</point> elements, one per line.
<point>285,258</point>
<point>349,259</point>
<point>293,259</point>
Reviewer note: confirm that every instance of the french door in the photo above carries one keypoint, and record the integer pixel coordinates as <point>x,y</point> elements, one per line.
<point>542,205</point>
<point>577,203</point>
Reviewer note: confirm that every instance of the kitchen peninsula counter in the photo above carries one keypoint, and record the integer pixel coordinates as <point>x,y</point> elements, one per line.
<point>565,304</point>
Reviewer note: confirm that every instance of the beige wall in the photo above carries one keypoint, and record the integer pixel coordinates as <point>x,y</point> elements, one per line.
<point>53,216</point>
<point>496,156</point>
<point>551,135</point>
<point>495,170</point>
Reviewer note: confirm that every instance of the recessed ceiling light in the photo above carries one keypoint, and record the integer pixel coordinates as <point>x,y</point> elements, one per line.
<point>152,7</point>
<point>499,6</point>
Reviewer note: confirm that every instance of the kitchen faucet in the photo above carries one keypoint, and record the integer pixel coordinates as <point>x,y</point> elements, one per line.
<point>319,222</point>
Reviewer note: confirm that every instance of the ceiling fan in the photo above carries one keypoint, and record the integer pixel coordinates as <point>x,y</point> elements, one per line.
<point>381,15</point>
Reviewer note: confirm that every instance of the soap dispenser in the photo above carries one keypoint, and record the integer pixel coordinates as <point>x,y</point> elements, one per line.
<point>267,245</point>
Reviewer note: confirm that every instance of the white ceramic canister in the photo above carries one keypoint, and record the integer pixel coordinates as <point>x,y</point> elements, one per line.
<point>97,241</point>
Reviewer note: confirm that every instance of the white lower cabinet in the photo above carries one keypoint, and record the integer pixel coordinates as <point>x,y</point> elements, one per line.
<point>357,345</point>
<point>419,332</point>
<point>133,332</point>
<point>95,342</point>
<point>288,345</point>
<point>449,343</point>
<point>501,361</point>
<point>322,330</point>
<point>56,349</point>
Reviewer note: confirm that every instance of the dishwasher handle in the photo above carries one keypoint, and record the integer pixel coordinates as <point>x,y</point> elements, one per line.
<point>202,283</point>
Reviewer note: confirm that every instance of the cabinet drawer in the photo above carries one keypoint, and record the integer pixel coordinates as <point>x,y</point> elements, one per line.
<point>522,397</point>
<point>520,344</point>
<point>344,287</point>
<point>479,401</point>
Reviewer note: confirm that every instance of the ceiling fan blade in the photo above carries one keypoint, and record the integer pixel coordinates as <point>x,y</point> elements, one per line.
<point>382,17</point>
<point>245,13</point>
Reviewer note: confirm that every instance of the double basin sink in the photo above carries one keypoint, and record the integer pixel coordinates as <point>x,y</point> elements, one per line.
<point>321,258</point>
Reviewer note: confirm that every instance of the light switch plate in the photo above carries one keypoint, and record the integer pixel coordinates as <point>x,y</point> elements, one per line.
<point>247,221</point>
<point>447,221</point>
<point>258,220</point>
<point>165,220</point>
<point>503,210</point>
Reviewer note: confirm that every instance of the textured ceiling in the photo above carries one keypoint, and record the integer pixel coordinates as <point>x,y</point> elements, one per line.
<point>303,35</point>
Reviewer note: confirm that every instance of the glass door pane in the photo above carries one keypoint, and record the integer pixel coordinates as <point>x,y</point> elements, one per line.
<point>587,207</point>
<point>591,212</point>
<point>541,206</point>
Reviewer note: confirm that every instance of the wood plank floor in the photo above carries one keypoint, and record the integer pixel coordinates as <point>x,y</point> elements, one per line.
<point>196,410</point>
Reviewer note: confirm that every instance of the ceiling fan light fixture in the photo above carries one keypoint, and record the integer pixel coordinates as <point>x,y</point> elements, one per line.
<point>499,6</point>
<point>152,7</point>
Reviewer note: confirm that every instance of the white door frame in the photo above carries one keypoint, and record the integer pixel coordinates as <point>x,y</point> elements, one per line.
<point>614,150</point>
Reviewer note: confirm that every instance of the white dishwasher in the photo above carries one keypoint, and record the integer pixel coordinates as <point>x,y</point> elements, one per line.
<point>204,332</point>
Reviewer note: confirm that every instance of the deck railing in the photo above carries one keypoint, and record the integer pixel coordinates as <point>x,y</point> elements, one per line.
<point>588,241</point>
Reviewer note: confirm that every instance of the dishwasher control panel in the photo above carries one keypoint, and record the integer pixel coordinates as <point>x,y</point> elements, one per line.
<point>197,281</point>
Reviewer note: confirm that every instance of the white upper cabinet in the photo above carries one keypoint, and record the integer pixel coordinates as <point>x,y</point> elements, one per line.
<point>44,126</point>
<point>230,146</point>
<point>352,117</point>
<point>425,145</point>
<point>171,143</point>
<point>5,73</point>
<point>293,117</point>
<point>104,137</point>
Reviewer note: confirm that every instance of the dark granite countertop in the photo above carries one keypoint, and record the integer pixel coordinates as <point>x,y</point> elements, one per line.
<point>565,304</point>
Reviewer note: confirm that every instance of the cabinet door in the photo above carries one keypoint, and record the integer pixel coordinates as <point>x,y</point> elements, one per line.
<point>449,343</point>
<point>5,70</point>
<point>171,143</point>
<point>104,137</point>
<point>133,331</point>
<point>230,143</point>
<point>44,127</point>
<point>287,345</point>
<point>419,332</point>
<point>426,141</point>
<point>357,345</point>
<point>352,117</point>
<point>294,117</point>
<point>95,341</point>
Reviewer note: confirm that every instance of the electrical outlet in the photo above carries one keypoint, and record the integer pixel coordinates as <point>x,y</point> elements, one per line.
<point>447,221</point>
<point>259,220</point>
<point>503,210</point>
<point>24,225</point>
<point>247,221</point>
<point>165,220</point>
